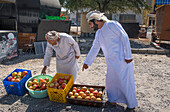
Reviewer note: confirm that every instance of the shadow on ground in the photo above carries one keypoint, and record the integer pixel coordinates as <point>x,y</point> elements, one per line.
<point>45,104</point>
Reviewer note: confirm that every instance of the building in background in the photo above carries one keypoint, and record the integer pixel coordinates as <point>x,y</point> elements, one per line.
<point>149,15</point>
<point>21,18</point>
<point>128,18</point>
<point>158,3</point>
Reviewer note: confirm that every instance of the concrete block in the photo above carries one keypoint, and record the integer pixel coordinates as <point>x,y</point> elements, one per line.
<point>161,52</point>
<point>134,50</point>
<point>167,51</point>
<point>143,51</point>
<point>152,51</point>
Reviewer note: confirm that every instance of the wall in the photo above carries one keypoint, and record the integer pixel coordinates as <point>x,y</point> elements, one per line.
<point>8,44</point>
<point>47,25</point>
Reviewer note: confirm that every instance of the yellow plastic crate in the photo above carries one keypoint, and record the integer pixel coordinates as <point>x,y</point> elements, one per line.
<point>58,95</point>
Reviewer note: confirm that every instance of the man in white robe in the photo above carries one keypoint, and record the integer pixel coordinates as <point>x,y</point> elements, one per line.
<point>67,51</point>
<point>114,42</point>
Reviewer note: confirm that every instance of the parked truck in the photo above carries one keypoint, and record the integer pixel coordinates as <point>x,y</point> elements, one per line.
<point>163,22</point>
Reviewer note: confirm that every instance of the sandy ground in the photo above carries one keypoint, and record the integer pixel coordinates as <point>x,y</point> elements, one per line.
<point>151,77</point>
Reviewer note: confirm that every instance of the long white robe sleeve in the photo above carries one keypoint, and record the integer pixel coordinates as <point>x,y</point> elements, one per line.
<point>48,55</point>
<point>93,51</point>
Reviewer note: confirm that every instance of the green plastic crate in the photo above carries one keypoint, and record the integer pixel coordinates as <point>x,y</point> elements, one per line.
<point>55,18</point>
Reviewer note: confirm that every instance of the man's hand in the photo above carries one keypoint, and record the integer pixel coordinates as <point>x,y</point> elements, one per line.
<point>85,66</point>
<point>43,72</point>
<point>77,57</point>
<point>128,61</point>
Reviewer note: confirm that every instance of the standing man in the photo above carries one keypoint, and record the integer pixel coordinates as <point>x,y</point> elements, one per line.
<point>67,51</point>
<point>114,42</point>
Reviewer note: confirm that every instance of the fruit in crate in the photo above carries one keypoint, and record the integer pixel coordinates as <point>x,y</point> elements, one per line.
<point>40,80</point>
<point>38,85</point>
<point>30,83</point>
<point>87,98</point>
<point>75,88</point>
<point>91,94</point>
<point>46,79</point>
<point>35,86</point>
<point>81,93</point>
<point>63,85</point>
<point>98,99</point>
<point>67,78</point>
<point>84,95</point>
<point>60,83</point>
<point>91,90</point>
<point>9,78</point>
<point>17,76</point>
<point>30,87</point>
<point>12,80</point>
<point>84,88</point>
<point>17,80</point>
<point>14,74</point>
<point>93,98</point>
<point>79,97</point>
<point>35,82</point>
<point>52,85</point>
<point>87,92</point>
<point>100,93</point>
<point>72,97</point>
<point>74,91</point>
<point>38,89</point>
<point>70,93</point>
<point>24,73</point>
<point>76,95</point>
<point>43,87</point>
<point>78,90</point>
<point>95,93</point>
<point>56,84</point>
<point>65,81</point>
<point>34,79</point>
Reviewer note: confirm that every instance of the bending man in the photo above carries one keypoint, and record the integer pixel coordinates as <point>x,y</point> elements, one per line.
<point>67,51</point>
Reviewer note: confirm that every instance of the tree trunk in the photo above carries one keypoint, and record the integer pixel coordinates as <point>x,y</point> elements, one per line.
<point>77,21</point>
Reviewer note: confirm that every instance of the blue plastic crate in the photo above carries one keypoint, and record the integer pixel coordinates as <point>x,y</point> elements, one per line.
<point>17,88</point>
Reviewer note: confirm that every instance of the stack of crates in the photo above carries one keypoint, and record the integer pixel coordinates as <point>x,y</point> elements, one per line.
<point>58,95</point>
<point>17,88</point>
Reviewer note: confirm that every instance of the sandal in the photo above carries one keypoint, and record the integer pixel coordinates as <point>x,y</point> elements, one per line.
<point>130,109</point>
<point>107,104</point>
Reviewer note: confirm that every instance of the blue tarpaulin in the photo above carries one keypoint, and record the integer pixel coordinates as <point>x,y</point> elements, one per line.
<point>161,2</point>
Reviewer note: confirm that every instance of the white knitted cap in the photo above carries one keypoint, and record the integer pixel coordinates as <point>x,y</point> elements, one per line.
<point>96,15</point>
<point>52,35</point>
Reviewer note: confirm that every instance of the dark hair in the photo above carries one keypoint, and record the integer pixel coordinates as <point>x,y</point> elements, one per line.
<point>100,20</point>
<point>93,20</point>
<point>95,25</point>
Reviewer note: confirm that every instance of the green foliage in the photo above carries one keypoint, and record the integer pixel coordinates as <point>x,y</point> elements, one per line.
<point>111,6</point>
